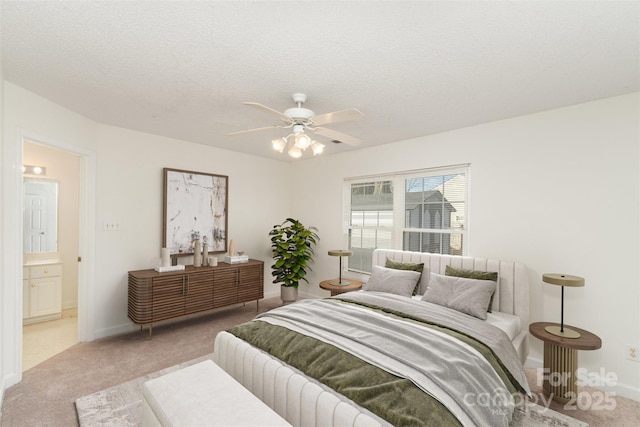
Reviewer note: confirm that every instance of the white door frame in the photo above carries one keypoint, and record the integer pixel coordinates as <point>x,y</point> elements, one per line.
<point>86,268</point>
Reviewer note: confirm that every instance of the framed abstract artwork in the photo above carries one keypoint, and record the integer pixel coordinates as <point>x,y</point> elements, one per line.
<point>195,206</point>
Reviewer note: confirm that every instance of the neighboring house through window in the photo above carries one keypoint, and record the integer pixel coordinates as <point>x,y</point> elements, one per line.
<point>428,214</point>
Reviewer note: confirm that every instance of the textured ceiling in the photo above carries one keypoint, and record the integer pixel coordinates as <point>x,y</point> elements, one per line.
<point>182,69</point>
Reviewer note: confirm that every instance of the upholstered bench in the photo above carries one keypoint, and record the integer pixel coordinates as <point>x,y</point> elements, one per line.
<point>203,395</point>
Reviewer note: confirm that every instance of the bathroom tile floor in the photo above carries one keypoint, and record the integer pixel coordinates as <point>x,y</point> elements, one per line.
<point>40,341</point>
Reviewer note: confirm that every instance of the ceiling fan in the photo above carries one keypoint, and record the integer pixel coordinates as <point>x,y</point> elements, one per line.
<point>300,119</point>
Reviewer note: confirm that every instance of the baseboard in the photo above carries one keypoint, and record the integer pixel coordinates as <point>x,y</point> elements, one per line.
<point>620,389</point>
<point>115,330</point>
<point>301,294</point>
<point>307,295</point>
<point>272,294</point>
<point>5,383</point>
<point>627,391</point>
<point>66,305</point>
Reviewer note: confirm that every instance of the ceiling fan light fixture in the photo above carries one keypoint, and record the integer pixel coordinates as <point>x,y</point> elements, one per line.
<point>295,152</point>
<point>279,144</point>
<point>317,148</point>
<point>299,119</point>
<point>303,141</point>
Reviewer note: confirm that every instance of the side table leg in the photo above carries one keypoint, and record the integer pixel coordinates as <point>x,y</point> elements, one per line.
<point>560,365</point>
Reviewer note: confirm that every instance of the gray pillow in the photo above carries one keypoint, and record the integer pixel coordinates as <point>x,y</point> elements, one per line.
<point>473,274</point>
<point>469,296</point>
<point>401,282</point>
<point>401,265</point>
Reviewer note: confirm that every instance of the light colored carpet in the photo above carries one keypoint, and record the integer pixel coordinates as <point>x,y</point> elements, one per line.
<point>121,406</point>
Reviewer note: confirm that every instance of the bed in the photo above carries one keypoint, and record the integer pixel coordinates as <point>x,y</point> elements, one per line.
<point>385,357</point>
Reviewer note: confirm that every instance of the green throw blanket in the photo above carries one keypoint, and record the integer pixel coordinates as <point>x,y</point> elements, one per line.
<point>394,399</point>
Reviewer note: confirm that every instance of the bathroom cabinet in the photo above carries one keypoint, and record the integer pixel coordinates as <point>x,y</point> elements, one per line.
<point>42,292</point>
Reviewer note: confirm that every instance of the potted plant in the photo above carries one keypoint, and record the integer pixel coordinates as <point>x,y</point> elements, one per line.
<point>292,244</point>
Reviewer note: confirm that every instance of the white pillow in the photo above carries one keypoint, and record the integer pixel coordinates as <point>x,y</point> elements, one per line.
<point>400,282</point>
<point>469,296</point>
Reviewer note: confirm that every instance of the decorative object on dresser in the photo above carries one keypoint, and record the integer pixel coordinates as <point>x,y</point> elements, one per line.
<point>195,206</point>
<point>165,262</point>
<point>236,259</point>
<point>205,251</point>
<point>340,253</point>
<point>177,267</point>
<point>562,280</point>
<point>155,296</point>
<point>561,359</point>
<point>292,244</point>
<point>233,257</point>
<point>165,257</point>
<point>197,254</point>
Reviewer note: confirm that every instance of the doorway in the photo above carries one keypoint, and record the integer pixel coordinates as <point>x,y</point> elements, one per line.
<point>50,251</point>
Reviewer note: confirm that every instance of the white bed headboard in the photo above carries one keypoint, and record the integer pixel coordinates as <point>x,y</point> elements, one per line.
<point>512,292</point>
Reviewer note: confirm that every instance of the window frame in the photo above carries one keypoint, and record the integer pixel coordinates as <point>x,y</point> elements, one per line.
<point>398,180</point>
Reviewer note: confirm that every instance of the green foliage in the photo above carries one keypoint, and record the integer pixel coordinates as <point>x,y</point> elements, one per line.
<point>292,244</point>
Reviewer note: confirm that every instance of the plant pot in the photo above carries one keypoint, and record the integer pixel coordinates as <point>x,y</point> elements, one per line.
<point>288,294</point>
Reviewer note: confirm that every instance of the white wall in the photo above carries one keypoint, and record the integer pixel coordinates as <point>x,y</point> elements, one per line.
<point>557,191</point>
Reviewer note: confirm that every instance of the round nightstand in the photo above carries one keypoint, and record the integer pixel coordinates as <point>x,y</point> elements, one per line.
<point>353,285</point>
<point>561,359</point>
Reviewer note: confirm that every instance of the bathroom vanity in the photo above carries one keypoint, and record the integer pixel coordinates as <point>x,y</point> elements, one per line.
<point>42,291</point>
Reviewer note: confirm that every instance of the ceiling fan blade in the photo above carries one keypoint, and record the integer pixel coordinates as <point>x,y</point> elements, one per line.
<point>268,110</point>
<point>254,130</point>
<point>338,116</point>
<point>337,136</point>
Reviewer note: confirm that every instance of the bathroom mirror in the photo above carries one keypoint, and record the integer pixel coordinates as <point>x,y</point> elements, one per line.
<point>40,215</point>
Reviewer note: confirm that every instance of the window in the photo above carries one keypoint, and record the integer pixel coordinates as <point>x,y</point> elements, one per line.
<point>428,214</point>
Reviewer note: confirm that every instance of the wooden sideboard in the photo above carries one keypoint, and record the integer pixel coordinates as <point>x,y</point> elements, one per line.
<point>155,296</point>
